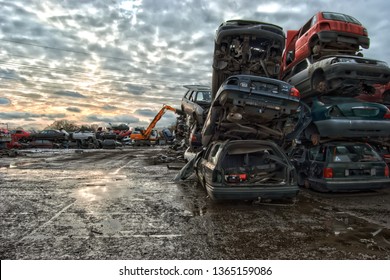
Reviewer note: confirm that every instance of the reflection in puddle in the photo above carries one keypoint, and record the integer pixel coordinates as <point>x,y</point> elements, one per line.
<point>92,193</point>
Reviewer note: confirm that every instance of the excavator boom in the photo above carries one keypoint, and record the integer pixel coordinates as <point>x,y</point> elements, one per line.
<point>146,133</point>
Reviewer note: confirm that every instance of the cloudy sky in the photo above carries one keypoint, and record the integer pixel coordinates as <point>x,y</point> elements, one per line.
<point>119,61</point>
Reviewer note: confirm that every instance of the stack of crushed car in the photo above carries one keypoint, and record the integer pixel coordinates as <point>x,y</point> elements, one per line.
<point>282,116</point>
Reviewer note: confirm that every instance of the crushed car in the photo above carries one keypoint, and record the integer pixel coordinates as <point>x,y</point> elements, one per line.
<point>50,134</point>
<point>335,117</point>
<point>338,74</point>
<point>195,103</point>
<point>326,33</point>
<point>246,170</point>
<point>246,47</point>
<point>381,94</point>
<point>340,166</point>
<point>251,107</point>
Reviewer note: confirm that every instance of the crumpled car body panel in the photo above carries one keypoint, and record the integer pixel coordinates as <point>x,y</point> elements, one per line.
<point>246,47</point>
<point>251,107</point>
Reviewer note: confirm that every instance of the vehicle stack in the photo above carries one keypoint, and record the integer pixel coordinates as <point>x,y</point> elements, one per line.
<point>279,102</point>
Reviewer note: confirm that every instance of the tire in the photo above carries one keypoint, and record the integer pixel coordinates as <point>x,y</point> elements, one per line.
<point>311,133</point>
<point>319,83</point>
<point>315,48</point>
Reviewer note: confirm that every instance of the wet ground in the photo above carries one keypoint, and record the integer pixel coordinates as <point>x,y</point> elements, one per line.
<point>123,204</point>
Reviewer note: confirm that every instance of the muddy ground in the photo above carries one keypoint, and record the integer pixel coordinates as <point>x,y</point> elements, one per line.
<point>123,204</point>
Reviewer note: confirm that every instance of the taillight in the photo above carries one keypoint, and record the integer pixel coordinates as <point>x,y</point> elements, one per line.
<point>328,172</point>
<point>294,92</point>
<point>236,178</point>
<point>387,115</point>
<point>387,171</point>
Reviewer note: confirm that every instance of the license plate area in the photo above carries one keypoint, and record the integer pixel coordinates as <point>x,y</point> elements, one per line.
<point>360,172</point>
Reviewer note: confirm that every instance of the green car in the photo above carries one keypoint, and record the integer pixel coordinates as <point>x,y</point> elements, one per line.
<point>340,166</point>
<point>346,117</point>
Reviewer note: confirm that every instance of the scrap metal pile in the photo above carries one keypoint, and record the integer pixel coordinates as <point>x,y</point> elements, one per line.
<point>287,115</point>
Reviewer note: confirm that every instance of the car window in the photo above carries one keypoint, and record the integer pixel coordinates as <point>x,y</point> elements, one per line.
<point>203,96</point>
<point>354,153</point>
<point>188,94</point>
<point>305,28</point>
<point>314,20</point>
<point>340,17</point>
<point>317,153</point>
<point>300,66</point>
<point>192,95</point>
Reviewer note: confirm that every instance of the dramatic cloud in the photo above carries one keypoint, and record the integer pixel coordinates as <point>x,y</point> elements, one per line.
<point>145,112</point>
<point>4,101</point>
<point>29,116</point>
<point>101,61</point>
<point>74,109</point>
<point>112,119</point>
<point>66,93</point>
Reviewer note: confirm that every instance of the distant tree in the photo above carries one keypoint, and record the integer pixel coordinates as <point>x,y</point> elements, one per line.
<point>65,124</point>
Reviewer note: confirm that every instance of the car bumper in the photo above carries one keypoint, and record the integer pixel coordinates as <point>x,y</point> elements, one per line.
<point>255,32</point>
<point>353,128</point>
<point>351,185</point>
<point>356,72</point>
<point>334,36</point>
<point>251,193</point>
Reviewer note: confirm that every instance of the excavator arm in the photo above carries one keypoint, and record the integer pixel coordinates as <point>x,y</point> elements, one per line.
<point>148,131</point>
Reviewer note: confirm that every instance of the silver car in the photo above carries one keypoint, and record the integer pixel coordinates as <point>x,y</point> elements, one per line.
<point>195,102</point>
<point>346,75</point>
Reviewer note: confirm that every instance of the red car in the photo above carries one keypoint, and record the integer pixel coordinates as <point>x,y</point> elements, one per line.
<point>380,95</point>
<point>20,135</point>
<point>325,33</point>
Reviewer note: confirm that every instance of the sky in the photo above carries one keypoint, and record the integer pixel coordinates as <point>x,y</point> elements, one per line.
<point>120,61</point>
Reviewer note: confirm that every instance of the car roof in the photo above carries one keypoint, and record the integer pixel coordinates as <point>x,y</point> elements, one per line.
<point>248,22</point>
<point>349,56</point>
<point>197,87</point>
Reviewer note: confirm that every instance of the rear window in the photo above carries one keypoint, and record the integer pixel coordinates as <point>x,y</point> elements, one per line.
<point>203,96</point>
<point>340,17</point>
<point>365,111</point>
<point>353,153</point>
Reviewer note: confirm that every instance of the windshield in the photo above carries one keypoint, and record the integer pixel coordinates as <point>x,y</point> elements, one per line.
<point>340,17</point>
<point>353,153</point>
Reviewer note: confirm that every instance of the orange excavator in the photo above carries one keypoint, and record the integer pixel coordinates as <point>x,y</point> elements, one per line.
<point>143,137</point>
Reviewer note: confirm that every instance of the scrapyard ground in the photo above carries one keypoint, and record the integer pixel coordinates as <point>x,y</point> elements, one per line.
<point>123,204</point>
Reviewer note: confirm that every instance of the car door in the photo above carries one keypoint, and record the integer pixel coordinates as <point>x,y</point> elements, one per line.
<point>302,47</point>
<point>186,107</point>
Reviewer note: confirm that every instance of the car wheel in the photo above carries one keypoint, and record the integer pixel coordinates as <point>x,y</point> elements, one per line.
<point>312,134</point>
<point>315,139</point>
<point>319,83</point>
